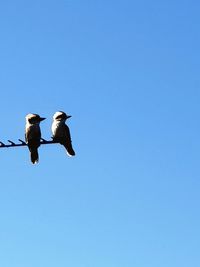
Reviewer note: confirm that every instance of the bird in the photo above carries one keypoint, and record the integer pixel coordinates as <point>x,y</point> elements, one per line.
<point>61,132</point>
<point>33,135</point>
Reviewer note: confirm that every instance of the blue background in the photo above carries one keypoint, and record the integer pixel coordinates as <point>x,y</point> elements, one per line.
<point>128,73</point>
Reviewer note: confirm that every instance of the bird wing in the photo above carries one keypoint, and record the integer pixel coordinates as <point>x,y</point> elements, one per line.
<point>33,135</point>
<point>68,141</point>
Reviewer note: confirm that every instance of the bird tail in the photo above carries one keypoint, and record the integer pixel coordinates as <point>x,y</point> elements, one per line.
<point>70,150</point>
<point>34,156</point>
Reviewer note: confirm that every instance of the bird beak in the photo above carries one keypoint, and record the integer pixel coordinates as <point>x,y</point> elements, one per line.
<point>41,119</point>
<point>68,117</point>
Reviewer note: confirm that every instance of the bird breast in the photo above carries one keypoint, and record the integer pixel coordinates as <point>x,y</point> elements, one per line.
<point>57,128</point>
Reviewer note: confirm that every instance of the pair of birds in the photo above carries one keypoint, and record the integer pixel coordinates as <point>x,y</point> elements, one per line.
<point>60,131</point>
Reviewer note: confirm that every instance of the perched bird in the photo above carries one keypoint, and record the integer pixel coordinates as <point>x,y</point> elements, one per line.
<point>33,135</point>
<point>61,131</point>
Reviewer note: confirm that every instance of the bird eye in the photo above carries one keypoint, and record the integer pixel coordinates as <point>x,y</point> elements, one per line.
<point>59,117</point>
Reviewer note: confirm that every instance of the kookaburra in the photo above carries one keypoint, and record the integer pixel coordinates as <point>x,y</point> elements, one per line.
<point>61,132</point>
<point>33,135</point>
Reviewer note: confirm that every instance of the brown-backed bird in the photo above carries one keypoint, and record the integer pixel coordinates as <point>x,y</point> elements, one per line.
<point>61,132</point>
<point>33,135</point>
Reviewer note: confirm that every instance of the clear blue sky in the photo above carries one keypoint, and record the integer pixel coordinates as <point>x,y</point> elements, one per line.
<point>128,73</point>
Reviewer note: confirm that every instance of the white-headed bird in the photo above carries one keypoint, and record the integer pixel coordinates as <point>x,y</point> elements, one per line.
<point>33,135</point>
<point>61,132</point>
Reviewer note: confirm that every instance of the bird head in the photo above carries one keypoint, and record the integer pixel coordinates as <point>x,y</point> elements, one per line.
<point>60,116</point>
<point>34,118</point>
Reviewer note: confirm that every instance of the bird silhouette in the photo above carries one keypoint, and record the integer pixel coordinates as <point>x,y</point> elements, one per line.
<point>33,135</point>
<point>61,132</point>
